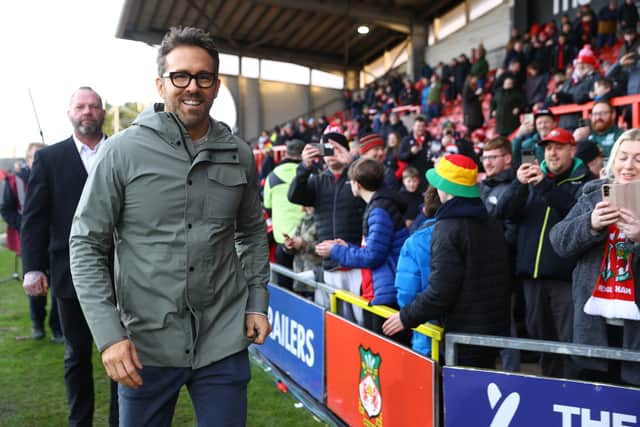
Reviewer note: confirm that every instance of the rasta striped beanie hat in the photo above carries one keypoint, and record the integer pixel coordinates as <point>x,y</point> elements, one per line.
<point>369,141</point>
<point>455,174</point>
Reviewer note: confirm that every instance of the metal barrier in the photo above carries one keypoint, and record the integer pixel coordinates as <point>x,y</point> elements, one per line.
<point>453,339</point>
<point>432,331</point>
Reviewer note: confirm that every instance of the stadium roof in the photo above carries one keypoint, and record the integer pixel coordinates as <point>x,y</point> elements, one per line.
<point>320,34</point>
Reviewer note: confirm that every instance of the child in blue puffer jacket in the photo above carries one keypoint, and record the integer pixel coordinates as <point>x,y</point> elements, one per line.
<point>384,233</point>
<point>413,272</point>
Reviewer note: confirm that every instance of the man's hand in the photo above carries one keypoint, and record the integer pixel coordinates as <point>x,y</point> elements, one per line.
<point>258,327</point>
<point>529,174</point>
<point>35,283</point>
<point>309,154</point>
<point>628,59</point>
<point>122,363</point>
<point>342,154</point>
<point>293,242</point>
<point>324,248</point>
<point>392,325</point>
<point>526,128</point>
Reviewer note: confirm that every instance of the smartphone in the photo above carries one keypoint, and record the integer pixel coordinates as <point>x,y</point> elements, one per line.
<point>584,123</point>
<point>528,117</point>
<point>325,148</point>
<point>528,156</point>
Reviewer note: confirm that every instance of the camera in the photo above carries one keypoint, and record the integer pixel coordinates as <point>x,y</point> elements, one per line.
<point>325,148</point>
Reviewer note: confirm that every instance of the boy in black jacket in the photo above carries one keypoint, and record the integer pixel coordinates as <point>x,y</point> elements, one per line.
<point>469,285</point>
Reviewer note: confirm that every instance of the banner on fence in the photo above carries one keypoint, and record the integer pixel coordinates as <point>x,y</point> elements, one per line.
<point>372,381</point>
<point>498,399</point>
<point>296,343</point>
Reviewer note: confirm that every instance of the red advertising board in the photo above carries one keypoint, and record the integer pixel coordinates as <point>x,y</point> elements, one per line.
<point>372,381</point>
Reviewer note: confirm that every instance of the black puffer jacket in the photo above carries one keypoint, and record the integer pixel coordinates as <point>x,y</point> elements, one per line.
<point>338,214</point>
<point>469,285</point>
<point>535,209</point>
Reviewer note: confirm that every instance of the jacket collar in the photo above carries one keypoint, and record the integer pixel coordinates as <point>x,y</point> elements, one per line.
<point>461,207</point>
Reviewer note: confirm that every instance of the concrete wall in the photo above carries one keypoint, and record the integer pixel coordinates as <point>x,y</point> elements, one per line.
<point>265,103</point>
<point>491,29</point>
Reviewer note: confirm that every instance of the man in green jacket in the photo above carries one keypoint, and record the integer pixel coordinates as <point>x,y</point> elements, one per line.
<point>177,192</point>
<point>604,130</point>
<point>284,214</point>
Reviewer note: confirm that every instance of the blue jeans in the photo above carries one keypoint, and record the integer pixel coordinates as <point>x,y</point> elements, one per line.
<point>218,393</point>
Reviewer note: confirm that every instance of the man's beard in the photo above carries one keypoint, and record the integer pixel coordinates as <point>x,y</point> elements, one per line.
<point>600,125</point>
<point>88,130</point>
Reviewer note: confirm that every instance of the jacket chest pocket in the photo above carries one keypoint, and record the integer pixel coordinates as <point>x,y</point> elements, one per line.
<point>225,189</point>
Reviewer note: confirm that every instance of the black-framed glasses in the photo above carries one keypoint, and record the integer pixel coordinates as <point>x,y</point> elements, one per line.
<point>182,79</point>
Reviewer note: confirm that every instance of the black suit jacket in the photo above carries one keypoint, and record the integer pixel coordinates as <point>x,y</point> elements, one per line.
<point>55,185</point>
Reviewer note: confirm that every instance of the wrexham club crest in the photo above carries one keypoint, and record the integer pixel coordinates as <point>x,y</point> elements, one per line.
<point>369,387</point>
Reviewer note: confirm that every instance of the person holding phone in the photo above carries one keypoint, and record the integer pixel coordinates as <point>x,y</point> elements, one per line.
<point>606,242</point>
<point>338,213</point>
<point>540,196</point>
<point>529,134</point>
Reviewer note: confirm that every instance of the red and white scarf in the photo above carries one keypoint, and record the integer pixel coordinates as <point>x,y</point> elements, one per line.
<point>614,296</point>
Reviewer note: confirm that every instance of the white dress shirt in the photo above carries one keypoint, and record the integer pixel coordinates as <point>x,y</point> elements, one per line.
<point>87,155</point>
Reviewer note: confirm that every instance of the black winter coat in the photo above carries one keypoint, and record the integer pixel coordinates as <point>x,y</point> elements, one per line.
<point>338,214</point>
<point>470,283</point>
<point>535,209</point>
<point>472,108</point>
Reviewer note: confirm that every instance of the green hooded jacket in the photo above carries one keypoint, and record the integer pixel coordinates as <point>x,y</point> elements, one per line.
<point>190,241</point>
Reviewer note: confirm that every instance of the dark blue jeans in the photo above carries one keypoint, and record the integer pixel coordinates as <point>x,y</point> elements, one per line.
<point>218,393</point>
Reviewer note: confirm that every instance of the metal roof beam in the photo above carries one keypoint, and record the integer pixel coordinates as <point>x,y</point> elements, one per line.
<point>356,9</point>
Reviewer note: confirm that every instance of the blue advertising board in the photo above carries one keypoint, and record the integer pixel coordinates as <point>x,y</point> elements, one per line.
<point>489,398</point>
<point>296,343</point>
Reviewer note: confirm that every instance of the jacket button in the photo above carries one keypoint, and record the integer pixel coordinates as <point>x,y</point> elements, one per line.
<point>190,182</point>
<point>187,351</point>
<point>177,142</point>
<point>189,226</point>
<point>191,268</point>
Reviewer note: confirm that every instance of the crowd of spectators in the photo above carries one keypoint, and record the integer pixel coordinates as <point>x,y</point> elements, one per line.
<point>385,191</point>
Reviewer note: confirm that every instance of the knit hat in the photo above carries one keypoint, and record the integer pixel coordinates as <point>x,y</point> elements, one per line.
<point>559,136</point>
<point>336,137</point>
<point>543,112</point>
<point>455,174</point>
<point>369,141</point>
<point>587,151</point>
<point>586,56</point>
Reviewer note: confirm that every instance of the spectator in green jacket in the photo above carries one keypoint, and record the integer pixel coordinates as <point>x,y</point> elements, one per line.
<point>530,133</point>
<point>604,130</point>
<point>434,98</point>
<point>480,66</point>
<point>506,106</point>
<point>284,214</point>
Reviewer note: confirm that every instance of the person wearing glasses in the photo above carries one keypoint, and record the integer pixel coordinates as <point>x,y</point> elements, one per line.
<point>499,174</point>
<point>178,194</point>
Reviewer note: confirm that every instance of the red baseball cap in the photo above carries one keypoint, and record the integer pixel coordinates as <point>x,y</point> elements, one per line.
<point>559,136</point>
